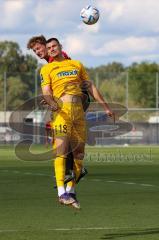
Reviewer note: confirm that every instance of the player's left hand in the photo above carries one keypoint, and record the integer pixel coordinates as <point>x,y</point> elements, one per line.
<point>111,114</point>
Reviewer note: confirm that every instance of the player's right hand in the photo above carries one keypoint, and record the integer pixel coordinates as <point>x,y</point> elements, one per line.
<point>43,102</point>
<point>54,106</point>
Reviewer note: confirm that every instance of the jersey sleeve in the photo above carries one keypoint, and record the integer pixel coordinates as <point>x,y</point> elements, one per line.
<point>83,73</point>
<point>45,77</point>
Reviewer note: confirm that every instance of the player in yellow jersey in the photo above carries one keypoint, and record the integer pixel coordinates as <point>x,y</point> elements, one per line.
<point>38,45</point>
<point>61,83</point>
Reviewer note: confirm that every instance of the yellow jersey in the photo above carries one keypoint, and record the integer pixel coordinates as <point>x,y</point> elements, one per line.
<point>64,77</point>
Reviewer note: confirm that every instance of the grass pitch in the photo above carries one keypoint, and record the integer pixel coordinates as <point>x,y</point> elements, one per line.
<point>119,197</point>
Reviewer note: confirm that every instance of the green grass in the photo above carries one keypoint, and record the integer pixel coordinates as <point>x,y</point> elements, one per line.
<point>119,197</point>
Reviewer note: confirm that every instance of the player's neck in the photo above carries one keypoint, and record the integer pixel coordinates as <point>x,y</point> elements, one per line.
<point>46,58</point>
<point>59,58</point>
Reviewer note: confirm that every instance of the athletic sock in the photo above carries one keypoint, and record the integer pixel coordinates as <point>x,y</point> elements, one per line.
<point>59,164</point>
<point>61,190</point>
<point>70,187</point>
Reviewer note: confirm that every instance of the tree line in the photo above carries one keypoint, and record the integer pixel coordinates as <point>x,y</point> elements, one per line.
<point>135,84</point>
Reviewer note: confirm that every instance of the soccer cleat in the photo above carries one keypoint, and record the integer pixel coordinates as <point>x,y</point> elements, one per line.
<point>66,199</point>
<point>76,203</point>
<point>82,174</point>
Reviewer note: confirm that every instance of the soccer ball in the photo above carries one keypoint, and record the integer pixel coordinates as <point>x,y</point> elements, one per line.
<point>89,15</point>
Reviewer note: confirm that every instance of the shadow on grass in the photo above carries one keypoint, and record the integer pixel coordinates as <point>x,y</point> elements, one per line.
<point>126,234</point>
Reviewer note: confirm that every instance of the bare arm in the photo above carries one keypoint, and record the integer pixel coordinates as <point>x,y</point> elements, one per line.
<point>95,93</point>
<point>47,94</point>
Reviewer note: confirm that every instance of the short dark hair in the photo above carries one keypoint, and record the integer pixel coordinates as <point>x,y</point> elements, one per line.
<point>36,39</point>
<point>53,39</point>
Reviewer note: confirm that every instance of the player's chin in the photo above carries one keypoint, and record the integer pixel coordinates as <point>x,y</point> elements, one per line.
<point>41,56</point>
<point>53,54</point>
